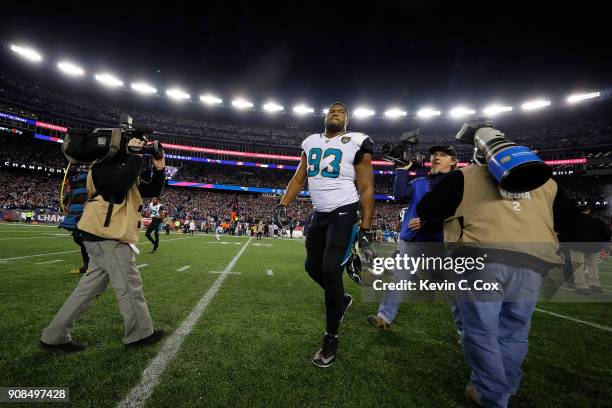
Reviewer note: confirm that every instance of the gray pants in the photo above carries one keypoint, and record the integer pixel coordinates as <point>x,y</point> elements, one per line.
<point>108,261</point>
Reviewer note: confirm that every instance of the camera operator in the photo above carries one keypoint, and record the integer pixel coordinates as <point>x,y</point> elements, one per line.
<point>517,231</point>
<point>443,159</point>
<point>110,227</point>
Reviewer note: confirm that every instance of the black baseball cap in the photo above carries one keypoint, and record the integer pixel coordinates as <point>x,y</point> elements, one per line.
<point>443,148</point>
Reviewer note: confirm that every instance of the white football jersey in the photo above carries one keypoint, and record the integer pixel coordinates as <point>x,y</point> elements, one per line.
<point>331,169</point>
<point>155,209</point>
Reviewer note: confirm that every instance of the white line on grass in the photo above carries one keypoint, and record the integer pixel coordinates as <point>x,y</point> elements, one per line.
<point>12,239</point>
<point>77,250</point>
<point>597,326</point>
<point>150,376</point>
<point>269,272</point>
<point>48,262</point>
<point>183,268</point>
<point>142,266</point>
<point>230,273</point>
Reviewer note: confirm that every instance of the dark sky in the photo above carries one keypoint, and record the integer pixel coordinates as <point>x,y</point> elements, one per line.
<point>320,52</point>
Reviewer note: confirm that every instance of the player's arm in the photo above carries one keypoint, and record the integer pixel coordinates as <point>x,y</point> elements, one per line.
<point>296,184</point>
<point>365,184</point>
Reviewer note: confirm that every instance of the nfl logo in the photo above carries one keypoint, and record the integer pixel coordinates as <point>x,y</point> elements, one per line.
<point>345,139</point>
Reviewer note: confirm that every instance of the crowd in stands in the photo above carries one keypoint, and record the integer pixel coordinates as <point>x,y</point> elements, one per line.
<point>29,191</point>
<point>581,133</point>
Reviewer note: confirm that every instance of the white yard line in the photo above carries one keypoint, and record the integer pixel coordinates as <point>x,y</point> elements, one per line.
<point>49,262</point>
<point>151,375</point>
<point>143,266</point>
<point>597,326</point>
<point>12,239</point>
<point>78,250</point>
<point>183,268</point>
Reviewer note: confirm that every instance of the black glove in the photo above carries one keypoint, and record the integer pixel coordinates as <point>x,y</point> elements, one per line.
<point>364,243</point>
<point>280,215</point>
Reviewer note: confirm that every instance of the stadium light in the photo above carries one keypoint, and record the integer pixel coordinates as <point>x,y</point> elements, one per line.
<point>395,113</point>
<point>495,109</point>
<point>273,107</point>
<point>109,80</point>
<point>177,94</point>
<point>324,111</point>
<point>70,68</point>
<point>461,111</point>
<point>582,97</point>
<point>302,110</point>
<point>242,103</point>
<point>143,88</point>
<point>534,105</point>
<point>26,52</point>
<point>363,112</point>
<point>427,113</point>
<point>211,99</point>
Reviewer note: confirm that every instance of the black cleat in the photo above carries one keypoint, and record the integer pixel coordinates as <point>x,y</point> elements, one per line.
<point>152,339</point>
<point>326,355</point>
<point>153,251</point>
<point>70,347</point>
<point>348,301</point>
<point>83,269</point>
<point>596,289</point>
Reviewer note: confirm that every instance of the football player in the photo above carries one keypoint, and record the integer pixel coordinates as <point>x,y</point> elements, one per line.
<point>157,216</point>
<point>338,167</point>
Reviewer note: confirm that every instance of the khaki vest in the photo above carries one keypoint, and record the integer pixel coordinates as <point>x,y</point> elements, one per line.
<point>125,220</point>
<point>520,222</point>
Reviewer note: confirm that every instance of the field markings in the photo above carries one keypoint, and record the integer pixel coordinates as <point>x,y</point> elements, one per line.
<point>228,273</point>
<point>269,272</point>
<point>151,375</point>
<point>49,262</point>
<point>77,250</point>
<point>13,239</point>
<point>183,268</point>
<point>143,266</point>
<point>597,326</point>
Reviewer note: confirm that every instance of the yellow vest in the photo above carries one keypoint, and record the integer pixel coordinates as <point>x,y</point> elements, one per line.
<point>125,220</point>
<point>492,218</point>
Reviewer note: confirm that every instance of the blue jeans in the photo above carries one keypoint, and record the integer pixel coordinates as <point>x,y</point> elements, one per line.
<point>393,298</point>
<point>495,332</point>
<point>390,304</point>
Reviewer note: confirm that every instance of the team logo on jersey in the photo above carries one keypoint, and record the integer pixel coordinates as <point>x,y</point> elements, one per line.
<point>345,139</point>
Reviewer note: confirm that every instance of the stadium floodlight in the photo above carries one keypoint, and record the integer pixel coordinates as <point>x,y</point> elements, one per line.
<point>324,111</point>
<point>362,112</point>
<point>302,110</point>
<point>242,104</point>
<point>26,52</point>
<point>109,80</point>
<point>461,111</point>
<point>273,107</point>
<point>143,88</point>
<point>395,113</point>
<point>582,97</point>
<point>70,68</point>
<point>177,94</point>
<point>534,105</point>
<point>495,109</point>
<point>211,99</point>
<point>428,113</point>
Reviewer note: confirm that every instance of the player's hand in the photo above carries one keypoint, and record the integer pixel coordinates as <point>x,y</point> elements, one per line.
<point>280,215</point>
<point>364,244</point>
<point>414,224</point>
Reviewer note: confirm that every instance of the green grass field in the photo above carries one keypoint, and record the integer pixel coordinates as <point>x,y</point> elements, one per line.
<point>253,343</point>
